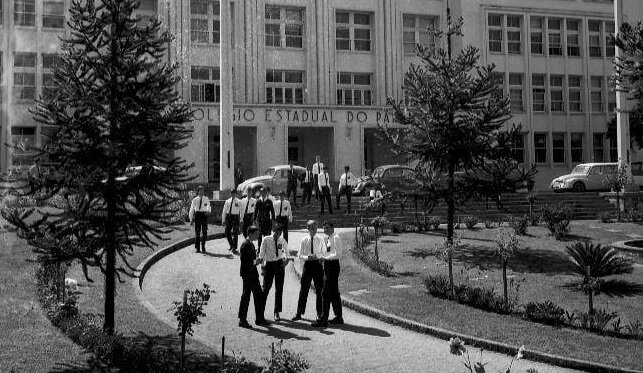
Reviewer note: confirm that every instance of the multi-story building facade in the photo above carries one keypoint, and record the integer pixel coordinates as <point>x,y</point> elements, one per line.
<point>312,77</point>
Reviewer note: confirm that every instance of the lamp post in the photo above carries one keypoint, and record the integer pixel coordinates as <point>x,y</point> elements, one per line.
<point>226,135</point>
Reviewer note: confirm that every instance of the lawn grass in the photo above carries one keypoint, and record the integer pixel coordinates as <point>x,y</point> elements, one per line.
<point>542,263</point>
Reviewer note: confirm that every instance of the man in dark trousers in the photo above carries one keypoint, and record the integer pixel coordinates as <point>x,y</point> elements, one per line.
<point>199,210</point>
<point>333,251</point>
<point>264,214</point>
<point>274,253</point>
<point>324,186</point>
<point>307,186</point>
<point>291,186</point>
<point>310,250</point>
<point>230,218</point>
<point>247,213</point>
<point>283,213</point>
<point>346,184</point>
<point>250,276</point>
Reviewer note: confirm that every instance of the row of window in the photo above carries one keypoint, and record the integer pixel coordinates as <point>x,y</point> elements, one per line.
<point>552,36</point>
<point>24,74</point>
<point>556,93</point>
<point>576,146</point>
<point>24,13</point>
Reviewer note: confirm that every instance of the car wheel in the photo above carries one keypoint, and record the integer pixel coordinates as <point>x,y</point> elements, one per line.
<point>578,187</point>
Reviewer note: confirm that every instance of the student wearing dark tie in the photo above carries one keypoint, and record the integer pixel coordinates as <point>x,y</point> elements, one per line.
<point>307,186</point>
<point>291,186</point>
<point>199,210</point>
<point>248,205</point>
<point>250,276</point>
<point>324,186</point>
<point>346,184</point>
<point>230,218</point>
<point>264,214</point>
<point>283,213</point>
<point>274,254</point>
<point>334,249</point>
<point>318,166</point>
<point>310,250</point>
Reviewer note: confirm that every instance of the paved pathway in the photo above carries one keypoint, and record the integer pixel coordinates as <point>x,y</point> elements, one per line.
<point>363,344</point>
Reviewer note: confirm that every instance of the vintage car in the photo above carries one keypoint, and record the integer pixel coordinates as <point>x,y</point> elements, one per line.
<point>275,177</point>
<point>391,178</point>
<point>586,176</point>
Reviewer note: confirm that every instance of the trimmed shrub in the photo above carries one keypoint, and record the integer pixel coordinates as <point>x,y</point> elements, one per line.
<point>519,224</point>
<point>557,218</point>
<point>606,217</point>
<point>285,361</point>
<point>470,221</point>
<point>481,298</point>
<point>434,222</point>
<point>396,228</point>
<point>489,224</point>
<point>546,313</point>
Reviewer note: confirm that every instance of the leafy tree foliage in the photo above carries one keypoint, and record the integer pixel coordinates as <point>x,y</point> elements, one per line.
<point>118,121</point>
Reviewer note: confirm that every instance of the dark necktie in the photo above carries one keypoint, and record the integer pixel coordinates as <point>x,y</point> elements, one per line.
<point>345,180</point>
<point>200,202</point>
<point>231,203</point>
<point>328,246</point>
<point>311,245</point>
<point>276,249</point>
<point>247,204</point>
<point>281,206</point>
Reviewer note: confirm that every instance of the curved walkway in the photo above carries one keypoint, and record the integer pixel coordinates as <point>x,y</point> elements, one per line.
<point>363,344</point>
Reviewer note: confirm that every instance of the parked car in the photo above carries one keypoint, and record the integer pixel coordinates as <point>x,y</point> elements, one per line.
<point>586,176</point>
<point>392,178</point>
<point>275,177</point>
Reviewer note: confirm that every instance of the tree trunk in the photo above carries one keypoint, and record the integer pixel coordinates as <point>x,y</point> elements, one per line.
<point>504,280</point>
<point>110,255</point>
<point>590,293</point>
<point>618,205</point>
<point>450,220</point>
<point>377,254</point>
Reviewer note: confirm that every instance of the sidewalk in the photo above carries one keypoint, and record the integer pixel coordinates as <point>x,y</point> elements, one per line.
<point>363,344</point>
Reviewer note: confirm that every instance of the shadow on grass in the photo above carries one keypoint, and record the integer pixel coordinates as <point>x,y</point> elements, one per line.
<point>574,237</point>
<point>389,241</point>
<point>528,260</point>
<point>613,288</point>
<point>420,253</point>
<point>406,274</point>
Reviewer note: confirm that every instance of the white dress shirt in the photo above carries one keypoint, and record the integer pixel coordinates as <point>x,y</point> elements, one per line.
<point>271,252</point>
<point>347,179</point>
<point>282,208</point>
<point>334,247</point>
<point>248,208</point>
<point>232,206</point>
<point>375,194</point>
<point>319,246</point>
<point>199,204</point>
<point>317,167</point>
<point>324,180</point>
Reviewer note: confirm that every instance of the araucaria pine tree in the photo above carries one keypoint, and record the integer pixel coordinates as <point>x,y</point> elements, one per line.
<point>454,126</point>
<point>119,121</point>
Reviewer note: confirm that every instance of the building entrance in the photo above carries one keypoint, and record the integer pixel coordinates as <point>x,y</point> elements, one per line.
<point>304,143</point>
<point>245,152</point>
<point>378,150</point>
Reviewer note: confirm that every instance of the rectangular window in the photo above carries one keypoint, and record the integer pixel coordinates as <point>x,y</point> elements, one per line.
<point>284,87</point>
<point>353,31</point>
<point>206,84</point>
<point>540,147</point>
<point>613,150</point>
<point>536,35</point>
<point>23,141</point>
<point>49,63</point>
<point>574,84</point>
<point>24,13</point>
<point>554,36</point>
<point>514,38</point>
<point>24,76</point>
<point>595,49</point>
<point>416,31</point>
<point>284,27</point>
<point>557,103</point>
<point>598,144</point>
<point>597,94</point>
<point>576,140</point>
<point>573,38</point>
<point>354,89</point>
<point>515,92</point>
<point>610,48</point>
<point>495,32</point>
<point>558,147</point>
<point>205,22</point>
<point>518,151</point>
<point>53,14</point>
<point>538,92</point>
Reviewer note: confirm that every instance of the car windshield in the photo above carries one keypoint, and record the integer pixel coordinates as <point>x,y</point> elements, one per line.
<point>270,172</point>
<point>580,170</point>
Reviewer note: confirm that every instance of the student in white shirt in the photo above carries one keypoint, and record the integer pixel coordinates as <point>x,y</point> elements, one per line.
<point>283,212</point>
<point>199,211</point>
<point>247,213</point>
<point>274,253</point>
<point>318,166</point>
<point>230,218</point>
<point>324,186</point>
<point>346,185</point>
<point>330,258</point>
<point>310,250</point>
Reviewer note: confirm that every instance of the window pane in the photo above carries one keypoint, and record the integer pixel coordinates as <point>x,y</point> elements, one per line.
<point>341,17</point>
<point>362,19</point>
<point>495,20</point>
<point>272,12</point>
<point>362,79</point>
<point>408,21</point>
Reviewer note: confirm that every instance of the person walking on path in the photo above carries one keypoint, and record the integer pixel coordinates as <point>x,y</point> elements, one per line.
<point>199,211</point>
<point>317,169</point>
<point>264,214</point>
<point>346,185</point>
<point>247,213</point>
<point>324,186</point>
<point>273,253</point>
<point>283,213</point>
<point>230,218</point>
<point>330,292</point>
<point>291,186</point>
<point>307,186</point>
<point>310,250</point>
<point>250,276</point>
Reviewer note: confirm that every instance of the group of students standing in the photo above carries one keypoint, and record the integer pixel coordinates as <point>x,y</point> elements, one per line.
<point>320,254</point>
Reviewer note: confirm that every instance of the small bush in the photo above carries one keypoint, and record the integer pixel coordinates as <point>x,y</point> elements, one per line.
<point>634,216</point>
<point>534,218</point>
<point>470,221</point>
<point>434,222</point>
<point>519,224</point>
<point>396,228</point>
<point>285,361</point>
<point>557,218</point>
<point>634,329</point>
<point>546,313</point>
<point>367,257</point>
<point>489,224</point>
<point>606,217</point>
<point>437,286</point>
<point>481,298</point>
<point>597,321</point>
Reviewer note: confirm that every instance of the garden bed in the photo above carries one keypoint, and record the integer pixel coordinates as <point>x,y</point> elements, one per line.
<point>543,266</point>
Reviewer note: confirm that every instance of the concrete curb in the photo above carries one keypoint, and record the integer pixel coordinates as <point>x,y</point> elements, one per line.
<point>621,245</point>
<point>486,344</point>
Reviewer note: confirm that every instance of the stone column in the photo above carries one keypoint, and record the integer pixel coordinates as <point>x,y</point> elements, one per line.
<point>226,164</point>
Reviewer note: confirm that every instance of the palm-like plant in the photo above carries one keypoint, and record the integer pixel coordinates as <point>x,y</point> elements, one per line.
<point>593,263</point>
